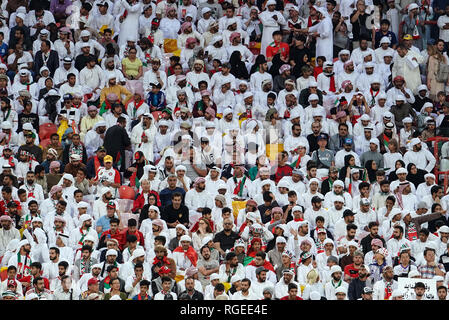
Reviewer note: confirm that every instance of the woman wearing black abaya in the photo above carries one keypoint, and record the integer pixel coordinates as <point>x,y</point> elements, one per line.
<point>345,172</point>
<point>238,67</point>
<point>276,65</point>
<point>371,169</point>
<point>415,175</point>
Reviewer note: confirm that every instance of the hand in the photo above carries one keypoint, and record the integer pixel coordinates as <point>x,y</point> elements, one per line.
<point>294,232</point>
<point>275,17</point>
<point>132,169</point>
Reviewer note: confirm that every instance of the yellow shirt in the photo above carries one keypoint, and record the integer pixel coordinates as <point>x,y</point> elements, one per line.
<point>132,68</point>
<point>118,90</point>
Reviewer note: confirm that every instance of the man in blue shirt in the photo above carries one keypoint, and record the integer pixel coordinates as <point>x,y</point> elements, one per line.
<point>103,224</point>
<point>384,32</point>
<point>166,194</point>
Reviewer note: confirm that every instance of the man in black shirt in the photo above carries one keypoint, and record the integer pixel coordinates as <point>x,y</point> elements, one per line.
<point>28,117</point>
<point>175,213</point>
<point>190,289</point>
<point>225,239</point>
<point>313,137</point>
<point>31,148</point>
<point>373,227</point>
<point>357,285</point>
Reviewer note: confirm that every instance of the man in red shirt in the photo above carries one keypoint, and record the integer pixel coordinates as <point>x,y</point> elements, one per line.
<point>7,197</point>
<point>292,293</point>
<point>113,233</point>
<point>282,169</point>
<point>132,229</point>
<point>351,271</point>
<point>278,47</point>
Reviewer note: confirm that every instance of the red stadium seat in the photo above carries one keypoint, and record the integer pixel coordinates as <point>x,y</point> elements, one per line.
<point>126,192</point>
<point>45,142</point>
<point>46,130</point>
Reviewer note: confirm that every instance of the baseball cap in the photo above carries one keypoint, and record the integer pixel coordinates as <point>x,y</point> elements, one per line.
<point>107,158</point>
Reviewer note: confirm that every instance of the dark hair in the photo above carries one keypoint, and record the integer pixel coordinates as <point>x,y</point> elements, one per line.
<point>373,224</point>
<point>435,189</point>
<point>165,279</point>
<point>38,169</point>
<point>427,250</point>
<point>47,43</point>
<point>267,196</point>
<point>424,231</point>
<point>132,223</point>
<point>384,21</point>
<point>246,280</point>
<point>160,239</point>
<point>110,268</point>
<point>230,255</point>
<point>145,283</point>
<point>36,265</point>
<point>114,220</point>
<point>37,279</point>
<point>56,250</point>
<point>261,254</point>
<point>363,184</point>
<point>225,210</point>
<point>319,218</point>
<point>7,189</point>
<point>400,228</point>
<point>32,202</point>
<point>62,203</point>
<point>64,264</point>
<point>138,265</point>
<point>11,268</point>
<point>86,247</point>
<point>419,284</point>
<point>292,286</point>
<point>219,287</point>
<point>351,226</point>
<point>176,194</point>
<point>131,238</point>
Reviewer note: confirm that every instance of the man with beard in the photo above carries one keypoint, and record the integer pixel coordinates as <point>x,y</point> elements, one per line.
<point>357,286</point>
<point>96,162</point>
<point>59,210</point>
<point>34,190</point>
<point>31,147</point>
<point>117,89</point>
<point>334,283</point>
<point>230,268</point>
<point>75,147</point>
<point>77,235</point>
<point>197,199</point>
<point>258,77</point>
<point>281,288</point>
<point>422,158</point>
<point>348,73</point>
<point>206,266</point>
<point>154,75</point>
<point>245,293</point>
<point>197,75</point>
<point>401,110</point>
<point>383,289</point>
<point>94,138</point>
<point>7,233</point>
